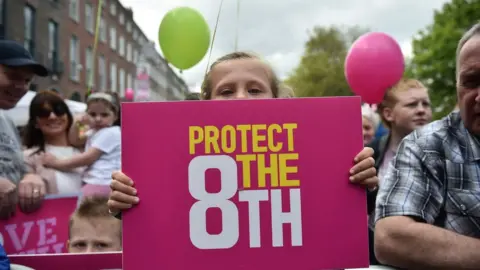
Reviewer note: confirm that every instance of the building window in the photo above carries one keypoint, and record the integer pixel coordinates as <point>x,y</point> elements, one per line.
<point>73,10</point>
<point>129,52</point>
<point>121,45</point>
<point>89,21</point>
<point>121,19</point>
<point>113,38</point>
<point>121,81</point>
<point>29,38</point>
<point>135,56</point>
<point>76,96</point>
<point>113,77</point>
<point>103,30</point>
<point>113,9</point>
<point>130,81</point>
<point>89,67</point>
<point>102,73</point>
<point>2,19</point>
<point>129,27</point>
<point>135,34</point>
<point>74,58</point>
<point>53,44</point>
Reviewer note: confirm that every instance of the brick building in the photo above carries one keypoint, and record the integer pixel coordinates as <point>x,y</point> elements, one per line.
<point>60,35</point>
<point>114,64</point>
<point>36,24</point>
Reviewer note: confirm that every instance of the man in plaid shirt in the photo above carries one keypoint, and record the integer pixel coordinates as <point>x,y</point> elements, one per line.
<point>428,204</point>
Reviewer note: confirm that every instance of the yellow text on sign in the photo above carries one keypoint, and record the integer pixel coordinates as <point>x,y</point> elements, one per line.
<point>279,169</point>
<point>226,139</point>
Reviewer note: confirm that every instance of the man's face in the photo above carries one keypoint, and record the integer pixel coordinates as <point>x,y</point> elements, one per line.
<point>468,84</point>
<point>14,84</point>
<point>93,235</point>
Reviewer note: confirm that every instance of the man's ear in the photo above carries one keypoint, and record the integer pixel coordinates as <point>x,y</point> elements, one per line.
<point>387,114</point>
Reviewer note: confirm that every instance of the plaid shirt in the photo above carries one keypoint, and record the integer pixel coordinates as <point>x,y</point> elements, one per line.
<point>435,177</point>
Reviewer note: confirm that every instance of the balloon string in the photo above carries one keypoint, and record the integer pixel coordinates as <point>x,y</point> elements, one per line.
<point>95,44</point>
<point>238,24</point>
<point>213,37</point>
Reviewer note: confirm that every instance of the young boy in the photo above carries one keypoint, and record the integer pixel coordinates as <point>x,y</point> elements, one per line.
<point>93,229</point>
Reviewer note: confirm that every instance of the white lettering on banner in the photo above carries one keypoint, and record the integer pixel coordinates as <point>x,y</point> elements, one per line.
<point>199,236</point>
<point>229,234</point>
<point>279,218</point>
<point>253,197</point>
<point>12,232</point>
<point>46,242</point>
<point>43,231</point>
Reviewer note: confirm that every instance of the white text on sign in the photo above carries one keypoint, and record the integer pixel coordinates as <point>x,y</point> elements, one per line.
<point>223,141</point>
<point>42,230</point>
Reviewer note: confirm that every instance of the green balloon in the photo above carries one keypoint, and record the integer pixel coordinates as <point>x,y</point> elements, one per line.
<point>184,37</point>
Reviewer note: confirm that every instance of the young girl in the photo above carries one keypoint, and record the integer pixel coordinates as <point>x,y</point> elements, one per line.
<point>102,152</point>
<point>239,76</point>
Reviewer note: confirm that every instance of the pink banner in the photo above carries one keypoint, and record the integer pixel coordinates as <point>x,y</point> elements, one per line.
<point>44,231</point>
<point>246,184</point>
<point>92,261</point>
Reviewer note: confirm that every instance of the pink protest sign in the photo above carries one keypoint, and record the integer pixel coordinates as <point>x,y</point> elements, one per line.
<point>91,261</point>
<point>245,184</point>
<point>43,231</point>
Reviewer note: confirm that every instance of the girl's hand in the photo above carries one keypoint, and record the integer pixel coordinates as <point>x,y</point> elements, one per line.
<point>83,119</point>
<point>49,160</point>
<point>123,195</point>
<point>364,172</point>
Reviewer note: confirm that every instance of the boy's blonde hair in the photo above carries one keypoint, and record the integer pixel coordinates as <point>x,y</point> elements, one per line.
<point>390,98</point>
<point>92,207</point>
<point>206,91</point>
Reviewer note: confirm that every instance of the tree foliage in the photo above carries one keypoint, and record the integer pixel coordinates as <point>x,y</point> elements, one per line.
<point>321,69</point>
<point>434,50</point>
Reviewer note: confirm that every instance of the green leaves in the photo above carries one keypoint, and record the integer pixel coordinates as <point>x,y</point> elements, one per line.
<point>434,51</point>
<point>321,69</point>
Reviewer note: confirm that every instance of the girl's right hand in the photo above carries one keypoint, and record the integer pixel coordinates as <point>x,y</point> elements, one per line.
<point>123,195</point>
<point>83,119</point>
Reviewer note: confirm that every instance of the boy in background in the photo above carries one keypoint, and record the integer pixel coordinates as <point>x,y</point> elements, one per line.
<point>93,229</point>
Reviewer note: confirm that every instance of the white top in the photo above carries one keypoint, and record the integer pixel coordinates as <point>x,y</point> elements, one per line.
<point>67,182</point>
<point>109,141</point>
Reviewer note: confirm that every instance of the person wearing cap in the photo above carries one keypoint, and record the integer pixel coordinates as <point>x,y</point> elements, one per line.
<point>17,70</point>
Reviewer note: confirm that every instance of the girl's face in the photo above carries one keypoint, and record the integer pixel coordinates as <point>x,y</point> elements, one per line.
<point>101,114</point>
<point>241,79</point>
<point>52,119</point>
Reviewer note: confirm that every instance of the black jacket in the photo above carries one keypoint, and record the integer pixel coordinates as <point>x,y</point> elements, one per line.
<point>378,145</point>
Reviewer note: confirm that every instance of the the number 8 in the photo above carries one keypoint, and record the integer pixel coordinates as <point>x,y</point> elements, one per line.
<point>199,236</point>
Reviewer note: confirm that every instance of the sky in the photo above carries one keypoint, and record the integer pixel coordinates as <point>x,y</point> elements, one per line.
<point>278,29</point>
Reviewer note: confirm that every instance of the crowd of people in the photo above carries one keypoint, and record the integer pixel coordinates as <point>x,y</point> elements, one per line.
<point>422,178</point>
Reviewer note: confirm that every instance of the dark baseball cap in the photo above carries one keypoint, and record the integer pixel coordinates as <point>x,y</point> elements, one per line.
<point>13,54</point>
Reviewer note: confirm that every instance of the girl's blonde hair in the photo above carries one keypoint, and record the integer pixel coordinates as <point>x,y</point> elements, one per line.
<point>390,98</point>
<point>206,91</point>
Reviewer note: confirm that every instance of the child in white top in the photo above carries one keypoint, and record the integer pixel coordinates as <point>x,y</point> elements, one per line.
<point>102,152</point>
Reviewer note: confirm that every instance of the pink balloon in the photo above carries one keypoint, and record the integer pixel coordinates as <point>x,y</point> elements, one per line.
<point>129,94</point>
<point>374,63</point>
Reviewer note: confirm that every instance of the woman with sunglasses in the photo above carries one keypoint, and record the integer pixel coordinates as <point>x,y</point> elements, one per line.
<point>47,131</point>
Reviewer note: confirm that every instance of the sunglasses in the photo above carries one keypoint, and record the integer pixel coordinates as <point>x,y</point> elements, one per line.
<point>58,110</point>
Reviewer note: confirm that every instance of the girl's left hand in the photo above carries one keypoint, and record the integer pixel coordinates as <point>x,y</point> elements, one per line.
<point>364,172</point>
<point>49,160</point>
